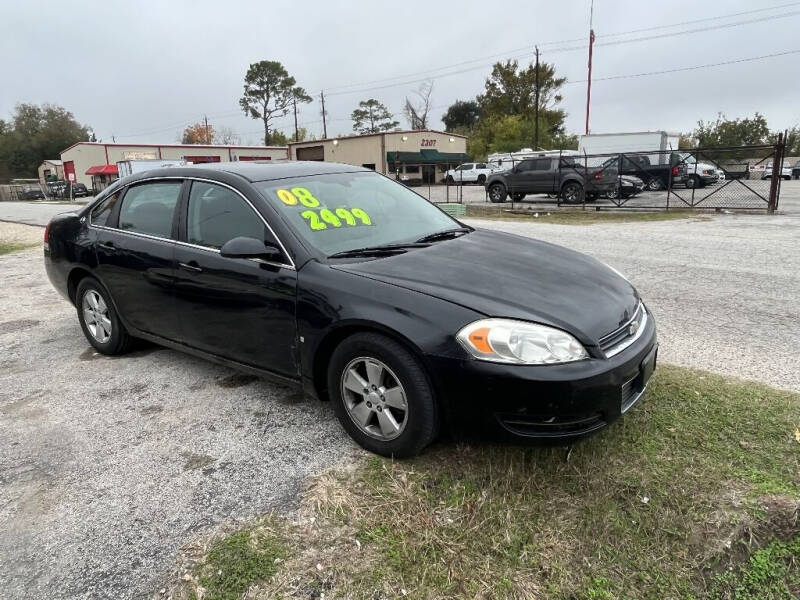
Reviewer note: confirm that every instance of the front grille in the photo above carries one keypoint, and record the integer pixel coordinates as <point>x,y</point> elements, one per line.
<point>550,427</point>
<point>619,339</point>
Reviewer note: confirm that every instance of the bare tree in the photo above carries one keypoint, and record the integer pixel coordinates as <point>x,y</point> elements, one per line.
<point>417,112</point>
<point>226,136</point>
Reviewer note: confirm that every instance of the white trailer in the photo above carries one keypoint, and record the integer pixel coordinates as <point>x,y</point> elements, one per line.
<point>129,167</point>
<point>639,142</point>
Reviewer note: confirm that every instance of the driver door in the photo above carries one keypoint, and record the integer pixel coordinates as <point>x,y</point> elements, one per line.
<point>237,308</point>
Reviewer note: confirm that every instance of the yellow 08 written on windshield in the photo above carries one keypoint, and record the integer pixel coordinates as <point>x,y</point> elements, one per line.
<point>320,218</point>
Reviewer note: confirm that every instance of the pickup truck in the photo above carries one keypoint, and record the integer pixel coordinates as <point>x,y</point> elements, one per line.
<point>469,173</point>
<point>682,168</point>
<point>563,176</point>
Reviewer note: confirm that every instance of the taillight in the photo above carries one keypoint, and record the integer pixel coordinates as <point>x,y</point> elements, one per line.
<point>598,175</point>
<point>675,170</point>
<point>47,234</point>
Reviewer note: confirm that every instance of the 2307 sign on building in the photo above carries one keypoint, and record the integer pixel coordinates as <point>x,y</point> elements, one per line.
<point>428,143</point>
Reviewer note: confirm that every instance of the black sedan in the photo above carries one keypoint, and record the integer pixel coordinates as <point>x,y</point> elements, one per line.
<point>342,281</point>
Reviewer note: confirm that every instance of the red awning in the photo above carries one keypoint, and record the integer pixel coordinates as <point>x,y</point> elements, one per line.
<point>103,170</point>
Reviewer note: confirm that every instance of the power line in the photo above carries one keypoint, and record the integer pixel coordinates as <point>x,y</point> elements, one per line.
<point>677,33</point>
<point>528,47</point>
<point>693,68</point>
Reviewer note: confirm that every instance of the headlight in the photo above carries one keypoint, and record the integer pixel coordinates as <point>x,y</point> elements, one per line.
<point>519,342</point>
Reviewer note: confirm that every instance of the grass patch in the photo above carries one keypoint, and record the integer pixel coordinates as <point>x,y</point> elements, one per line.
<point>575,216</point>
<point>9,247</point>
<point>771,573</point>
<point>236,562</point>
<point>694,494</point>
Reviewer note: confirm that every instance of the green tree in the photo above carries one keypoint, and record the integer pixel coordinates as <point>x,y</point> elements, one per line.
<point>461,116</point>
<point>36,133</point>
<point>732,132</point>
<point>506,122</point>
<point>510,90</point>
<point>372,116</point>
<point>269,92</point>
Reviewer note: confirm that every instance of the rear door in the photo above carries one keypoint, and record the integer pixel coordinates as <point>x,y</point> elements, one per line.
<point>543,175</point>
<point>237,308</point>
<point>136,252</point>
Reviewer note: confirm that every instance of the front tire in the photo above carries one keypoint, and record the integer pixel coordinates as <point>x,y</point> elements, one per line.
<point>692,182</point>
<point>655,185</point>
<point>497,192</point>
<point>99,320</point>
<point>382,396</point>
<point>481,179</point>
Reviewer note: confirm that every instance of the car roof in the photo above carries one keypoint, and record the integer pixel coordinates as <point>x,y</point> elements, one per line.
<point>253,170</point>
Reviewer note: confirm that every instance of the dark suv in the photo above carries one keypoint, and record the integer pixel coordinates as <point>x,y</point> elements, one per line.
<point>551,175</point>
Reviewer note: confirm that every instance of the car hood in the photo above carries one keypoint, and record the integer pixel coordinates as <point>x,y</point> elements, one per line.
<point>504,275</point>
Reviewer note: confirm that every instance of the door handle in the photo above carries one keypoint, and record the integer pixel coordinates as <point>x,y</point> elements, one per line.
<point>190,267</point>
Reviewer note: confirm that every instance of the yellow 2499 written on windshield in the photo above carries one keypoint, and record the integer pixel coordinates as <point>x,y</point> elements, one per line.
<point>320,218</point>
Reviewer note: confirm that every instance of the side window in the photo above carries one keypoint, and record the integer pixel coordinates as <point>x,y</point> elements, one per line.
<point>468,167</point>
<point>480,166</point>
<point>526,165</point>
<point>218,214</point>
<point>102,211</point>
<point>542,164</point>
<point>149,208</point>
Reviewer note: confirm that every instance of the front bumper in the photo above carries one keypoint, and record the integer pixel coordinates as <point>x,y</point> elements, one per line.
<point>546,402</point>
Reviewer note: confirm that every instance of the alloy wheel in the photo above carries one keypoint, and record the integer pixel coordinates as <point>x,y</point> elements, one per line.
<point>374,398</point>
<point>96,317</point>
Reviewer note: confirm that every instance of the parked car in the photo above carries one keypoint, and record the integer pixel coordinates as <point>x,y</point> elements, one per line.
<point>469,173</point>
<point>32,193</point>
<point>694,173</point>
<point>786,171</point>
<point>627,187</point>
<point>796,170</point>
<point>344,283</point>
<point>78,191</point>
<point>551,175</point>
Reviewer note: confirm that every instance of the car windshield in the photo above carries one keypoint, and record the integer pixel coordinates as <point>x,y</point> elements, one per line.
<point>346,211</point>
<point>687,158</point>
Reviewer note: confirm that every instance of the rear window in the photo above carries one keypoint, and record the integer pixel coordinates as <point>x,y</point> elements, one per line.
<point>102,211</point>
<point>149,208</point>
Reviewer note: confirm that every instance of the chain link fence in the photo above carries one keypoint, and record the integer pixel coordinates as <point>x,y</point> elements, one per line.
<point>733,178</point>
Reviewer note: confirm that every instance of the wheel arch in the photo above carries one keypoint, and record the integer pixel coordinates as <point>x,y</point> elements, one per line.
<point>331,340</point>
<point>76,275</point>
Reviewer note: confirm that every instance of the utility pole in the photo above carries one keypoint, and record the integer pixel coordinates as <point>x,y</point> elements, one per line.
<point>536,105</point>
<point>324,122</point>
<point>589,81</point>
<point>294,106</point>
<point>208,137</point>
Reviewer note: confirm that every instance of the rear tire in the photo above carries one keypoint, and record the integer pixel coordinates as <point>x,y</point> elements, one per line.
<point>481,179</point>
<point>450,179</point>
<point>400,424</point>
<point>497,192</point>
<point>692,182</point>
<point>518,196</point>
<point>99,320</point>
<point>571,192</point>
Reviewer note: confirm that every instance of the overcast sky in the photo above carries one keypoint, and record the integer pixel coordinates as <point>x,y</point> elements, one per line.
<point>142,70</point>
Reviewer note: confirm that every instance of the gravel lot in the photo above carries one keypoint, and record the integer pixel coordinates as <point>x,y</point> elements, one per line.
<point>108,466</point>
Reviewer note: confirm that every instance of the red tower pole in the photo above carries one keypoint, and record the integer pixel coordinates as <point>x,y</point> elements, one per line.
<point>589,82</point>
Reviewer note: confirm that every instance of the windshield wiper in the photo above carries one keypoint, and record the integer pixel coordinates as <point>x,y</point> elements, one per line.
<point>443,235</point>
<point>386,249</point>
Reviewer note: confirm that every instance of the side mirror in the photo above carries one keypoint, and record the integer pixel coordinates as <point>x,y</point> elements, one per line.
<point>247,247</point>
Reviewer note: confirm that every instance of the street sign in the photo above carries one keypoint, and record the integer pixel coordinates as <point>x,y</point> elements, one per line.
<point>71,177</point>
